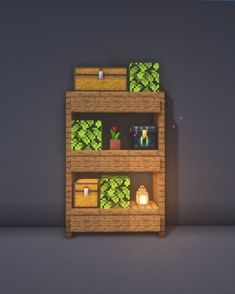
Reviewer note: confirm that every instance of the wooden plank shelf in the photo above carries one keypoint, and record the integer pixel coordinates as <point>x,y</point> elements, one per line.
<point>134,209</point>
<point>136,218</point>
<point>113,153</point>
<point>115,223</point>
<point>119,164</point>
<point>99,101</point>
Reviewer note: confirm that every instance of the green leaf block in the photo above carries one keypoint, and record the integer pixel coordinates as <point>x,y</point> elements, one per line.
<point>86,135</point>
<point>144,77</point>
<point>115,192</point>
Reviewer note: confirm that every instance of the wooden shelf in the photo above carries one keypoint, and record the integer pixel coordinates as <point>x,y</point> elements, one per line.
<point>135,218</point>
<point>113,153</point>
<point>115,223</point>
<point>142,102</point>
<point>117,164</point>
<point>134,208</point>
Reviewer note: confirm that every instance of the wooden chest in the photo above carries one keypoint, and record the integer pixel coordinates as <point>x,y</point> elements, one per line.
<point>86,193</point>
<point>100,79</point>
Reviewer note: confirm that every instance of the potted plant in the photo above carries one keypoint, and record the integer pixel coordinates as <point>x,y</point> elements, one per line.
<point>115,142</point>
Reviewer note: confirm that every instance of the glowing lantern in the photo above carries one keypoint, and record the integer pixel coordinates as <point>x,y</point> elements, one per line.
<point>142,196</point>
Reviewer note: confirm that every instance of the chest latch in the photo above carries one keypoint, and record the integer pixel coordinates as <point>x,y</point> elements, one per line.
<point>85,191</point>
<point>101,74</point>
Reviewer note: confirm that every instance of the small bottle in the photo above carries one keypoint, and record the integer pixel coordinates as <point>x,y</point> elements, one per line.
<point>144,139</point>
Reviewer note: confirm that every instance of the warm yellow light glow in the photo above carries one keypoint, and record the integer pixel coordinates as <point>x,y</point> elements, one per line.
<point>142,196</point>
<point>143,199</point>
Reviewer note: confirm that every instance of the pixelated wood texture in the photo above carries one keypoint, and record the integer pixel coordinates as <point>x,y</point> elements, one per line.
<point>122,164</point>
<point>136,218</point>
<point>133,219</point>
<point>116,223</point>
<point>68,173</point>
<point>114,153</point>
<point>87,79</point>
<point>142,102</point>
<point>159,177</point>
<point>134,208</point>
<point>89,200</point>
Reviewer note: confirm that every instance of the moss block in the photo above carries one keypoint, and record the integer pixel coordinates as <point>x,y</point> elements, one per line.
<point>86,135</point>
<point>144,77</point>
<point>115,192</point>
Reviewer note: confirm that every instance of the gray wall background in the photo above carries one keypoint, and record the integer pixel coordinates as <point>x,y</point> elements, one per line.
<point>42,41</point>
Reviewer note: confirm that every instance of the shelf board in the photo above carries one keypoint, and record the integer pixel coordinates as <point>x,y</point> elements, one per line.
<point>117,164</point>
<point>115,223</point>
<point>99,101</point>
<point>134,209</point>
<point>113,153</point>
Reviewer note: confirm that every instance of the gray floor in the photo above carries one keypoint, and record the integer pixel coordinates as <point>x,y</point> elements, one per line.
<point>190,260</point>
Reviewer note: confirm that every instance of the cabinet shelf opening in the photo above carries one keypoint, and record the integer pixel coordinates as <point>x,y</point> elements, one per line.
<point>124,121</point>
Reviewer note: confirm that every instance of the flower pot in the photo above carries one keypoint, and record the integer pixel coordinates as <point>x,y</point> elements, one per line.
<point>115,144</point>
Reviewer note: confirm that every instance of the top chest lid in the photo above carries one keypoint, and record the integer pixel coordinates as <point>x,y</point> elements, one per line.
<point>92,184</point>
<point>95,70</point>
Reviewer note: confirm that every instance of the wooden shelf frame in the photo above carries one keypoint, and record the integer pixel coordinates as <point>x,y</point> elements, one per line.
<point>118,102</point>
<point>119,164</point>
<point>115,223</point>
<point>114,153</point>
<point>135,209</point>
<point>124,220</point>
